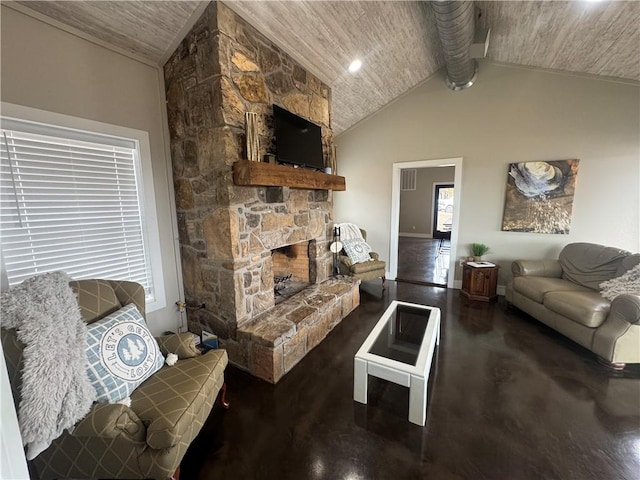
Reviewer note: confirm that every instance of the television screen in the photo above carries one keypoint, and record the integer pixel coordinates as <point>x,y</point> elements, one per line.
<point>298,141</point>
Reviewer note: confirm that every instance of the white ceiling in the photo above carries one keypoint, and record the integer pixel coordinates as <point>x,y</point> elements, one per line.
<point>396,40</point>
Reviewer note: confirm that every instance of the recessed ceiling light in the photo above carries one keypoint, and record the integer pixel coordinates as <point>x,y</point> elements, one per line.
<point>355,65</point>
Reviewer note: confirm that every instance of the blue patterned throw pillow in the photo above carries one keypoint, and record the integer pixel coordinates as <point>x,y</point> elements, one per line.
<point>122,354</point>
<point>357,250</point>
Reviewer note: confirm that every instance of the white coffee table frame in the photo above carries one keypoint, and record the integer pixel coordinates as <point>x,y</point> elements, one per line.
<point>415,376</point>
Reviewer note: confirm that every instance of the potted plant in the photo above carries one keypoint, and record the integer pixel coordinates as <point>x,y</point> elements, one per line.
<point>478,250</point>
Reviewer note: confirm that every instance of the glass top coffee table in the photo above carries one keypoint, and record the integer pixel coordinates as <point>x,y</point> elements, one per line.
<point>400,349</point>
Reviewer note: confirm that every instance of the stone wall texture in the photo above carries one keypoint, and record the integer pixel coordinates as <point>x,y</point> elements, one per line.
<point>222,69</point>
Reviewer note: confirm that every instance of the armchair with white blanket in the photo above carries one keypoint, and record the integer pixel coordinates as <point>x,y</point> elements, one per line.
<point>356,258</point>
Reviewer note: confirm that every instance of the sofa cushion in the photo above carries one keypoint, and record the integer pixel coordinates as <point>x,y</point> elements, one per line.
<point>169,400</point>
<point>96,298</point>
<point>587,308</point>
<point>121,353</point>
<point>589,264</point>
<point>535,288</point>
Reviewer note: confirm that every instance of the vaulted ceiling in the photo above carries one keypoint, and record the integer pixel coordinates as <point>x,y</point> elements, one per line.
<point>397,41</point>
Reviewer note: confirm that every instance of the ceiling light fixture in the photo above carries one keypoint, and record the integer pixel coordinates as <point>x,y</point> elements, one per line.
<point>355,65</point>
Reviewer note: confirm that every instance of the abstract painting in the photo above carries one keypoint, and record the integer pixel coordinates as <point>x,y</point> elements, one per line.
<point>539,196</point>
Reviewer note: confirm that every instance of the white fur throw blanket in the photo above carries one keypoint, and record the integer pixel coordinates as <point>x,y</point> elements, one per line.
<point>56,392</point>
<point>628,282</point>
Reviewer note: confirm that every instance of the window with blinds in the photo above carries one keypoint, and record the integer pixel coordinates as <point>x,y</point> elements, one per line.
<point>72,201</point>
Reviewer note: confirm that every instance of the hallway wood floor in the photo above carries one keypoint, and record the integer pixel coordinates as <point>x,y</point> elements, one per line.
<point>419,262</point>
<point>509,399</point>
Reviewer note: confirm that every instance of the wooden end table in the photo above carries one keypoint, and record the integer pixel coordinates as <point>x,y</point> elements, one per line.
<point>479,283</point>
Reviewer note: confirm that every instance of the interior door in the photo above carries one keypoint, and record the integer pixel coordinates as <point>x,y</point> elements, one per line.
<point>443,211</point>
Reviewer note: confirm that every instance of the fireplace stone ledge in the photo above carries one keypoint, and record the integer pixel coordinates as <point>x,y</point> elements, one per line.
<point>271,344</point>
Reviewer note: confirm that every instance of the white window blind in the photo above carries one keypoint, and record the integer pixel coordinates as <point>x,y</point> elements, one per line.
<point>71,201</point>
<point>408,179</point>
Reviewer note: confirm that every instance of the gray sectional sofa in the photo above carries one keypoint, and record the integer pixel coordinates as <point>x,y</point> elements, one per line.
<point>565,295</point>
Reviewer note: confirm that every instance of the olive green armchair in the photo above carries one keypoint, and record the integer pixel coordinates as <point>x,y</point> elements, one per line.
<point>147,439</point>
<point>370,270</point>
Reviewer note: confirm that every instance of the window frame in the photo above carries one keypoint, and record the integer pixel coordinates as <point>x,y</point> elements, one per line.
<point>151,233</point>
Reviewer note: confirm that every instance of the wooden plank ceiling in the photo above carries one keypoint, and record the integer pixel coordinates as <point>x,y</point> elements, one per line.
<point>601,38</point>
<point>397,41</point>
<point>144,28</point>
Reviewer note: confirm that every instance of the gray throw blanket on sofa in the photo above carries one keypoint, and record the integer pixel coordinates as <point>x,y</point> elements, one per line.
<point>56,392</point>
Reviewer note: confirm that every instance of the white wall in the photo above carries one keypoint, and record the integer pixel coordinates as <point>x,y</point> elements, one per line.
<point>13,464</point>
<point>48,69</point>
<point>511,114</point>
<point>416,206</point>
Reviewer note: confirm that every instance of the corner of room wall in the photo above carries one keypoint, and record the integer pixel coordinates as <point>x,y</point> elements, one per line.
<point>47,68</point>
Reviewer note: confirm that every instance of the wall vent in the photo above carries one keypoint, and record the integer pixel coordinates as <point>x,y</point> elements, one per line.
<point>408,179</point>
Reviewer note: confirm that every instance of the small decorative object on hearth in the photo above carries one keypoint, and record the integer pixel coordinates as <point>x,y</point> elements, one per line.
<point>478,250</point>
<point>251,130</point>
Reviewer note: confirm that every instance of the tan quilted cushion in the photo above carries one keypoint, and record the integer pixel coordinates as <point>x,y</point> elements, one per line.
<point>170,399</point>
<point>587,308</point>
<point>182,344</point>
<point>96,298</point>
<point>108,420</point>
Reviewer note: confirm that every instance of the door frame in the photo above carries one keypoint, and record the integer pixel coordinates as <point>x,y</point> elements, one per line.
<point>434,209</point>
<point>455,162</point>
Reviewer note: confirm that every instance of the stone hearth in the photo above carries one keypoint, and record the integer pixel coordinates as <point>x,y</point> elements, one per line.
<point>277,340</point>
<point>222,69</point>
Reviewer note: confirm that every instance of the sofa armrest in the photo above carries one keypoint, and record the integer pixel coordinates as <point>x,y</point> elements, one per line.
<point>110,420</point>
<point>626,307</point>
<point>181,344</point>
<point>538,268</point>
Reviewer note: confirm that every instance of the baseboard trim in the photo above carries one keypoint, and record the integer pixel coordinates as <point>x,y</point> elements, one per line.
<point>415,235</point>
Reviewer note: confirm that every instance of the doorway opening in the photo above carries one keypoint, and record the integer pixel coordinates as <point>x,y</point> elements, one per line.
<point>426,219</point>
<point>425,252</point>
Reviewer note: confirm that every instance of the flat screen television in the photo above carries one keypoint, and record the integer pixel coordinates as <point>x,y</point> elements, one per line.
<point>298,141</point>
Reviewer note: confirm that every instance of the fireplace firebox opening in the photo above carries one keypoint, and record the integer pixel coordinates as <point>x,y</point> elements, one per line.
<point>291,266</point>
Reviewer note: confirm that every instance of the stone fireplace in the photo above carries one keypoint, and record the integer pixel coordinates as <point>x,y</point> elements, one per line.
<point>228,233</point>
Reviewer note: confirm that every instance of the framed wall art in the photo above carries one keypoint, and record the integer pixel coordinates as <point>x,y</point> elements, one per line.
<point>539,196</point>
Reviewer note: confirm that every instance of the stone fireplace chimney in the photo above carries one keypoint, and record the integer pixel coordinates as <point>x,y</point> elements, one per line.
<point>222,69</point>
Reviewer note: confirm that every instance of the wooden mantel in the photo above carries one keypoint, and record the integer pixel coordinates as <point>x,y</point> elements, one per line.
<point>263,174</point>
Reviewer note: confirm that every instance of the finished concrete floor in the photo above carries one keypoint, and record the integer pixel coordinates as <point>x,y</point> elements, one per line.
<point>509,399</point>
